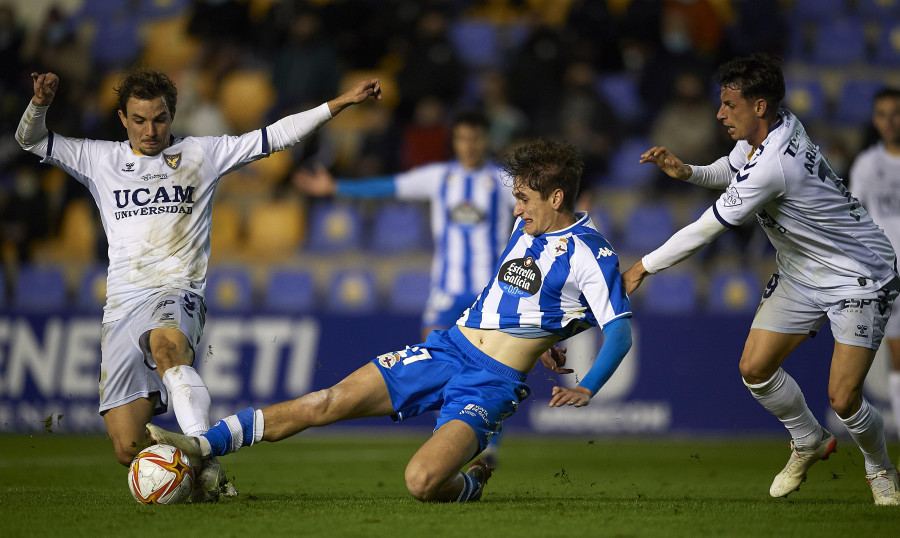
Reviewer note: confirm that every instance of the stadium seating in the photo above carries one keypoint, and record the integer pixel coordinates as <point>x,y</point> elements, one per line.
<point>290,291</point>
<point>670,293</point>
<point>647,227</point>
<point>275,230</point>
<point>2,291</point>
<point>91,293</point>
<point>475,43</point>
<point>224,241</point>
<point>334,227</point>
<point>352,291</point>
<point>398,227</point>
<point>621,90</point>
<point>839,41</point>
<point>806,98</point>
<point>854,106</point>
<point>40,290</point>
<point>409,292</point>
<point>817,9</point>
<point>603,222</point>
<point>228,289</point>
<point>246,96</point>
<point>734,291</point>
<point>878,9</point>
<point>625,169</point>
<point>887,51</point>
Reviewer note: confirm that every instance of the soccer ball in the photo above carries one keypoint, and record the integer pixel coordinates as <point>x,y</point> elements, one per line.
<point>161,474</point>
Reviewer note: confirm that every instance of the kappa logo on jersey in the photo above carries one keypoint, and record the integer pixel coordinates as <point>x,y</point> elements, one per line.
<point>605,253</point>
<point>732,197</point>
<point>520,276</point>
<point>129,167</point>
<point>172,161</point>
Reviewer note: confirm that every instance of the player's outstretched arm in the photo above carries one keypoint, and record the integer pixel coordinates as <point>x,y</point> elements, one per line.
<point>317,182</point>
<point>355,95</point>
<point>667,162</point>
<point>45,85</point>
<point>633,277</point>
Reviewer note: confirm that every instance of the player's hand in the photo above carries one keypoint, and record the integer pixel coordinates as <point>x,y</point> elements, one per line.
<point>318,182</point>
<point>355,95</point>
<point>579,396</point>
<point>633,277</point>
<point>45,85</point>
<point>667,162</point>
<point>554,359</point>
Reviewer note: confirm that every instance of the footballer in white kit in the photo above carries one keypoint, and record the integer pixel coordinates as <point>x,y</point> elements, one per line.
<point>155,194</point>
<point>875,181</point>
<point>833,262</point>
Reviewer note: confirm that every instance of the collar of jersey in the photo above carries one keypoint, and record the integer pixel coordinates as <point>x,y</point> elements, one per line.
<point>580,218</point>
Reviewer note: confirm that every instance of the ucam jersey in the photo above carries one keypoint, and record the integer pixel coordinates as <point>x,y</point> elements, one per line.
<point>471,215</point>
<point>875,181</point>
<point>156,210</point>
<point>823,236</point>
<point>562,282</point>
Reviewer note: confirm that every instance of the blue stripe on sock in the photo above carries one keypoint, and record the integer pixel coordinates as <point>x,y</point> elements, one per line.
<point>219,437</point>
<point>469,488</point>
<point>246,419</point>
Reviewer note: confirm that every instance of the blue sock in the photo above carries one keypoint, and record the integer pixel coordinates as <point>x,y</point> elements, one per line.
<point>470,488</point>
<point>231,433</point>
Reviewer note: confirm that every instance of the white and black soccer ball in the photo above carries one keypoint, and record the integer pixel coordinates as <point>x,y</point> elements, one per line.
<point>161,474</point>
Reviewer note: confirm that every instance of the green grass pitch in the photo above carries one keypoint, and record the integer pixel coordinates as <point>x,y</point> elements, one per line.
<point>351,484</point>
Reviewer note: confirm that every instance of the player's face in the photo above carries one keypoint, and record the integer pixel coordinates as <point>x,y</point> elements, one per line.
<point>886,118</point>
<point>742,117</point>
<point>470,145</point>
<point>538,216</point>
<point>148,123</point>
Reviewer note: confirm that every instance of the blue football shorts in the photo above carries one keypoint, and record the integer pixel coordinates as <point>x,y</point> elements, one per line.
<point>449,374</point>
<point>444,309</point>
<point>127,369</point>
<point>791,308</point>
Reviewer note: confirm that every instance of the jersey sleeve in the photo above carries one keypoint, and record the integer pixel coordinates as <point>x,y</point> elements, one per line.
<point>421,183</point>
<point>228,153</point>
<point>77,156</point>
<point>754,184</point>
<point>597,275</point>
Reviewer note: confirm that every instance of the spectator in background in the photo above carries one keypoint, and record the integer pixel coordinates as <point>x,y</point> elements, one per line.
<point>426,138</point>
<point>24,214</point>
<point>875,179</point>
<point>306,67</point>
<point>685,125</point>
<point>507,121</point>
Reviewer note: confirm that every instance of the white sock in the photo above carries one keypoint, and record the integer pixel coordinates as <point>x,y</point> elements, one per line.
<point>190,399</point>
<point>867,428</point>
<point>781,396</point>
<point>894,392</point>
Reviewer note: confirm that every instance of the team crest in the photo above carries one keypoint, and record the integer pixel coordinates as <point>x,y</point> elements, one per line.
<point>388,360</point>
<point>172,161</point>
<point>560,246</point>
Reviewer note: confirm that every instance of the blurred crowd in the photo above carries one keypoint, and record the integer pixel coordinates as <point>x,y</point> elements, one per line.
<point>612,77</point>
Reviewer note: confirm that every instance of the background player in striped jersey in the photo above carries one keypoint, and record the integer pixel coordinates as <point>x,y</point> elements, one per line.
<point>833,262</point>
<point>557,277</point>
<point>155,194</point>
<point>875,180</point>
<point>471,214</point>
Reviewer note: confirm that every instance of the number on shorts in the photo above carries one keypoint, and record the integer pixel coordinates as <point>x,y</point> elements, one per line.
<point>770,286</point>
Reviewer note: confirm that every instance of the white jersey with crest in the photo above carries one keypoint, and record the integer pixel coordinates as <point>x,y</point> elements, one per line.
<point>561,282</point>
<point>824,238</point>
<point>875,181</point>
<point>156,210</point>
<point>471,215</point>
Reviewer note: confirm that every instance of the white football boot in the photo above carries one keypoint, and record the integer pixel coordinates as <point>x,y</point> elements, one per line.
<point>189,445</point>
<point>885,487</point>
<point>794,473</point>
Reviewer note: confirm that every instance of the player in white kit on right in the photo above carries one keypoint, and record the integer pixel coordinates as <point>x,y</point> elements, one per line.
<point>875,180</point>
<point>833,261</point>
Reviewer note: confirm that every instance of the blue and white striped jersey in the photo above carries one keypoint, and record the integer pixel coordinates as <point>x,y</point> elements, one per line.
<point>561,282</point>
<point>471,214</point>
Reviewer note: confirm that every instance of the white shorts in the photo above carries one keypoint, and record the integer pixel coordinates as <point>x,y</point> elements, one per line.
<point>127,369</point>
<point>791,308</point>
<point>892,329</point>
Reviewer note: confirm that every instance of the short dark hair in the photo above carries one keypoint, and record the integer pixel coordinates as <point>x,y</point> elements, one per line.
<point>887,91</point>
<point>758,76</point>
<point>544,166</point>
<point>473,118</point>
<point>145,84</point>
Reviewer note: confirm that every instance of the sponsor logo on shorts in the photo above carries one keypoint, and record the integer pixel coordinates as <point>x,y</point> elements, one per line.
<point>520,276</point>
<point>168,316</point>
<point>476,411</point>
<point>854,306</point>
<point>162,304</point>
<point>862,331</point>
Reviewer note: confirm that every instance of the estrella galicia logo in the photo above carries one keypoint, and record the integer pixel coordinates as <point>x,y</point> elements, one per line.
<point>172,161</point>
<point>129,167</point>
<point>520,276</point>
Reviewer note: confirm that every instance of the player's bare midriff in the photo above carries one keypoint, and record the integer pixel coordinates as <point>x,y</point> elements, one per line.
<point>518,353</point>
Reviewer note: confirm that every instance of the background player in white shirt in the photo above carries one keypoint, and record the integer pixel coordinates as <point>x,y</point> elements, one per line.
<point>155,193</point>
<point>833,262</point>
<point>875,181</point>
<point>558,276</point>
<point>471,214</point>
